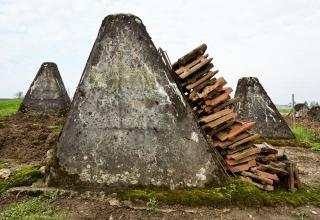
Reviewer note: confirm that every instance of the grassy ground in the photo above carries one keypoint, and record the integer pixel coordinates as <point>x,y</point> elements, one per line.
<point>284,110</point>
<point>9,106</point>
<point>309,138</point>
<point>233,193</point>
<point>31,209</point>
<point>307,132</point>
<point>34,208</point>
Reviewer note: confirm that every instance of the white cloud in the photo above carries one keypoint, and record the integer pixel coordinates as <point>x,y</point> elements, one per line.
<point>277,41</point>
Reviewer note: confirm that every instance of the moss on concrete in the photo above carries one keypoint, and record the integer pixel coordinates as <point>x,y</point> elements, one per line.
<point>235,192</point>
<point>24,177</point>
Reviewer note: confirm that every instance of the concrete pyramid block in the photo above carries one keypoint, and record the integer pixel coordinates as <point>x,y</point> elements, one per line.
<point>128,123</point>
<point>256,105</point>
<point>301,110</point>
<point>314,113</point>
<point>47,93</point>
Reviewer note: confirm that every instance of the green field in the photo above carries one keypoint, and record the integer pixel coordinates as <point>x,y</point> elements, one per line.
<point>284,110</point>
<point>9,106</point>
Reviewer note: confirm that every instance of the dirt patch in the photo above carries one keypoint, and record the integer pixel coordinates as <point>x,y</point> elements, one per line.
<point>110,208</point>
<point>84,208</point>
<point>27,137</point>
<point>308,163</point>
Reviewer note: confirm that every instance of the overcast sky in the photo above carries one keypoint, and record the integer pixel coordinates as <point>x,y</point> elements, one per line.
<point>277,41</point>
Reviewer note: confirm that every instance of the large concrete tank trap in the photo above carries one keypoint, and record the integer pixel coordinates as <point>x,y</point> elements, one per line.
<point>129,123</point>
<point>47,93</point>
<point>256,105</point>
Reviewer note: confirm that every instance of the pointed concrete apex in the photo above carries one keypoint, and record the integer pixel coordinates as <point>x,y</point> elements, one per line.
<point>256,105</point>
<point>126,17</point>
<point>128,123</point>
<point>47,93</point>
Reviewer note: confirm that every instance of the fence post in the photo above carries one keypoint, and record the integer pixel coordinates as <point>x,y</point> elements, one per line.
<point>293,112</point>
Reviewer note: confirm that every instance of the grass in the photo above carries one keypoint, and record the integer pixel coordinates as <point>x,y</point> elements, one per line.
<point>235,192</point>
<point>9,106</point>
<point>303,138</point>
<point>284,110</point>
<point>3,165</point>
<point>152,204</point>
<point>311,140</point>
<point>32,209</point>
<point>56,128</point>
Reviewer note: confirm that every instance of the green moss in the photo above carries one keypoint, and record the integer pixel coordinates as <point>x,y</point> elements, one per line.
<point>56,128</point>
<point>235,192</point>
<point>24,177</point>
<point>3,165</point>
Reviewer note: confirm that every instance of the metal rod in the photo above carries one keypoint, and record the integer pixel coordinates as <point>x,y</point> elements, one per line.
<point>293,112</point>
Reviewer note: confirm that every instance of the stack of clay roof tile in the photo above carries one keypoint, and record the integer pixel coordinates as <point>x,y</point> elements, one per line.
<point>210,99</point>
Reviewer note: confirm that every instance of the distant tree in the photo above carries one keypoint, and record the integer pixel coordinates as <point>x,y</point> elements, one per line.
<point>19,95</point>
<point>306,103</point>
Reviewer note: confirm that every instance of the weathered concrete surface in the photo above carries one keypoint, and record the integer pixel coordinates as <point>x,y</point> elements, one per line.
<point>47,92</point>
<point>256,105</point>
<point>129,123</point>
<point>301,110</point>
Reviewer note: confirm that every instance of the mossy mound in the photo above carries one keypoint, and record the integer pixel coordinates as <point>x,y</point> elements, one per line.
<point>24,177</point>
<point>235,192</point>
<point>313,145</point>
<point>282,142</point>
